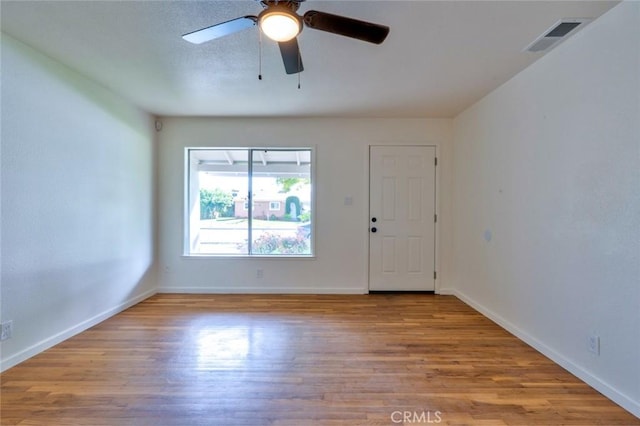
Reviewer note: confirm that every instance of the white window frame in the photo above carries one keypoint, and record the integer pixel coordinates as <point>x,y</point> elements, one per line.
<point>189,169</point>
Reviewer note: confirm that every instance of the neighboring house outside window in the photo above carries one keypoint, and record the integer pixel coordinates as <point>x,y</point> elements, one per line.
<point>262,208</point>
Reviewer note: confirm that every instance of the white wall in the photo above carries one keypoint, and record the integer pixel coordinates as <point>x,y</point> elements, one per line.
<point>77,202</point>
<point>549,165</point>
<point>342,147</point>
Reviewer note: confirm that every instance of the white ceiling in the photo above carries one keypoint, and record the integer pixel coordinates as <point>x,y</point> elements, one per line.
<point>440,56</point>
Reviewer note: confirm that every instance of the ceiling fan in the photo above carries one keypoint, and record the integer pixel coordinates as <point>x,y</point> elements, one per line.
<point>280,22</point>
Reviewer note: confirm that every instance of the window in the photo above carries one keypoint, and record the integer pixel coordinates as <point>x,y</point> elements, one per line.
<point>274,206</point>
<point>249,202</point>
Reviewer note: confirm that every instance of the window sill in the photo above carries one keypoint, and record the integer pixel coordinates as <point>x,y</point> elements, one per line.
<point>244,257</point>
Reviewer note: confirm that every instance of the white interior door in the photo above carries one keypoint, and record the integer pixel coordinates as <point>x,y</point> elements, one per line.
<point>402,218</point>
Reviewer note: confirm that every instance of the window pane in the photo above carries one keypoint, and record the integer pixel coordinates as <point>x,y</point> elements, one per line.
<point>281,214</point>
<point>218,190</point>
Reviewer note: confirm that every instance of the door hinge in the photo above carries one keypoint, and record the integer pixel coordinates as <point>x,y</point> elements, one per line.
<point>436,161</point>
<point>435,275</point>
<point>435,218</point>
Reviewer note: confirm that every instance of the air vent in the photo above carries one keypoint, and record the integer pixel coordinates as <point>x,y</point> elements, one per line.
<point>557,33</point>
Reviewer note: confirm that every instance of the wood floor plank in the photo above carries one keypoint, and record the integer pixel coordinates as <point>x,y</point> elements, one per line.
<point>379,359</point>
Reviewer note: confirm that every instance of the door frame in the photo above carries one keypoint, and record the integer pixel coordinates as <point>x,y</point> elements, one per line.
<point>436,260</point>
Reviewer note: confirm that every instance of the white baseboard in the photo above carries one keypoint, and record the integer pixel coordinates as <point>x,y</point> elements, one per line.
<point>45,344</point>
<point>262,290</point>
<point>607,390</point>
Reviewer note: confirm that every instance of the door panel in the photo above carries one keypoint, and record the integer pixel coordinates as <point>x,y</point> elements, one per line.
<point>402,211</point>
<point>388,254</point>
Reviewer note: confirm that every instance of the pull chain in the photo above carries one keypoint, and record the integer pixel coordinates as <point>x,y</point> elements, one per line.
<point>299,66</point>
<point>259,54</point>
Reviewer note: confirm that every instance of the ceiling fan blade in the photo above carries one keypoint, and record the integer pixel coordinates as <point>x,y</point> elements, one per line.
<point>348,27</point>
<point>220,30</point>
<point>291,56</point>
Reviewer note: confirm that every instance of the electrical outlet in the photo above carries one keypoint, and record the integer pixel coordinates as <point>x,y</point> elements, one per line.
<point>593,344</point>
<point>259,273</point>
<point>6,330</point>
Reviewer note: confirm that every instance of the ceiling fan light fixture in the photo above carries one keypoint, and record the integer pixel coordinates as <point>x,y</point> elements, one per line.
<point>280,24</point>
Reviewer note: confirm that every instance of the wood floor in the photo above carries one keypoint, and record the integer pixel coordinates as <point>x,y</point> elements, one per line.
<point>379,359</point>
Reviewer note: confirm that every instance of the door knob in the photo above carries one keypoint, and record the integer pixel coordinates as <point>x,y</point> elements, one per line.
<point>374,220</point>
<point>374,229</point>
